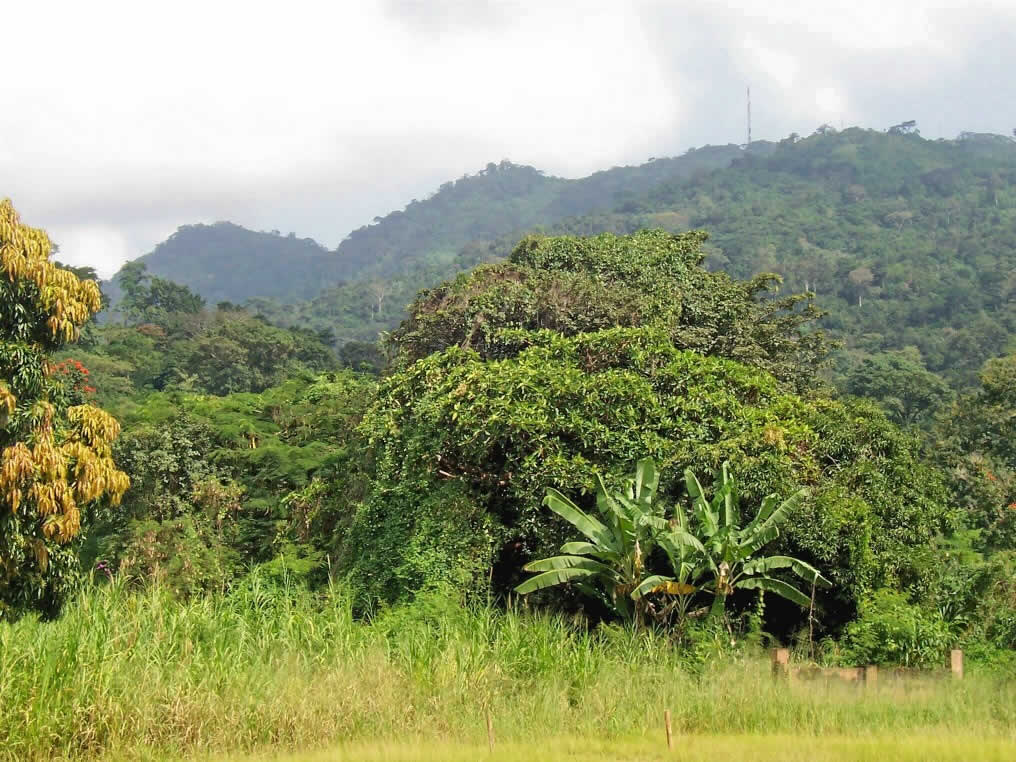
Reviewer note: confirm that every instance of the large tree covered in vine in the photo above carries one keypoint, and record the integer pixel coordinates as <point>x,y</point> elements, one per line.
<point>581,356</point>
<point>573,285</point>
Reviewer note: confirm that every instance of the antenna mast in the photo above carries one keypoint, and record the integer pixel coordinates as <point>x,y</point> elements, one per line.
<point>748,144</point>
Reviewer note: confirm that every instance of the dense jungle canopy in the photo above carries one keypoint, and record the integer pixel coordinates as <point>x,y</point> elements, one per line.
<point>832,316</point>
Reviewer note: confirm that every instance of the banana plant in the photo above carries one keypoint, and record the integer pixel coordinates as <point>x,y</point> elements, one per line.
<point>610,564</point>
<point>685,553</point>
<point>729,556</point>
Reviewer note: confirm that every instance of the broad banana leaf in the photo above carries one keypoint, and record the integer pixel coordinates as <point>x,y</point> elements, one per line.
<point>782,513</point>
<point>676,541</point>
<point>647,480</point>
<point>691,482</point>
<point>589,549</point>
<point>770,585</point>
<point>551,578</point>
<point>607,505</point>
<point>579,519</point>
<point>805,571</point>
<point>729,490</point>
<point>706,516</point>
<point>756,535</point>
<point>761,537</point>
<point>570,562</point>
<point>769,503</point>
<point>641,516</point>
<point>656,522</point>
<point>649,584</point>
<point>680,519</point>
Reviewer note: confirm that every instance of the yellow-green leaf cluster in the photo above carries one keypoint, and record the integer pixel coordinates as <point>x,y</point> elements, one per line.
<point>53,479</point>
<point>57,457</point>
<point>24,254</point>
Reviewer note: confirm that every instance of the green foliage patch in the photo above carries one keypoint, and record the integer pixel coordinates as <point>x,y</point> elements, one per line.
<point>572,285</point>
<point>221,483</point>
<point>500,431</point>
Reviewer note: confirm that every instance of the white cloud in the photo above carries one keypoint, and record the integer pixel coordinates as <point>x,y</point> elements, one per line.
<point>123,120</point>
<point>89,244</point>
<point>830,102</point>
<point>778,65</point>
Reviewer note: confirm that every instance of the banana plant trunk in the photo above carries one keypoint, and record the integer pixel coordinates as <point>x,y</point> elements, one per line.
<point>719,607</point>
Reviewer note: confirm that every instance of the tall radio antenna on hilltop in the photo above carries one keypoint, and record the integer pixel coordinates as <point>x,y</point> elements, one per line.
<point>748,144</point>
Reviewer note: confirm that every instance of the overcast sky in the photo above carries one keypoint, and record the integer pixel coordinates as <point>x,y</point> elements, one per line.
<point>123,120</point>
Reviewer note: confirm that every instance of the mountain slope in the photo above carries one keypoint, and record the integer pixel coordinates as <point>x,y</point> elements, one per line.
<point>225,262</point>
<point>906,242</point>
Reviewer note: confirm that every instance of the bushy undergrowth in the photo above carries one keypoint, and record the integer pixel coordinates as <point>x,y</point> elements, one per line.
<point>266,668</point>
<point>890,630</point>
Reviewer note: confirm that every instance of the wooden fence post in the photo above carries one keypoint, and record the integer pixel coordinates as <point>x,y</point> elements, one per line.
<point>956,663</point>
<point>781,662</point>
<point>490,731</point>
<point>666,723</point>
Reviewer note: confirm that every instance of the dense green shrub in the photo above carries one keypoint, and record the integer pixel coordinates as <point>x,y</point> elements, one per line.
<point>179,522</point>
<point>890,630</point>
<point>975,441</point>
<point>184,554</point>
<point>490,435</point>
<point>976,596</point>
<point>221,483</point>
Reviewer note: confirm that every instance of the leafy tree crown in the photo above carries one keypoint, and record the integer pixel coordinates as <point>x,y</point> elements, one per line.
<point>56,448</point>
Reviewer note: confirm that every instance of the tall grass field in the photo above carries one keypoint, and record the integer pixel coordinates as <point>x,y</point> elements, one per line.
<point>265,673</point>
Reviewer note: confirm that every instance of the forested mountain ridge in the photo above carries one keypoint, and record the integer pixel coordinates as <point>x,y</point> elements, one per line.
<point>226,262</point>
<point>905,241</point>
<point>909,244</point>
<point>500,200</point>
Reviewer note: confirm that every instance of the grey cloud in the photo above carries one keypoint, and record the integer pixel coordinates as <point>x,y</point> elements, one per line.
<point>961,86</point>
